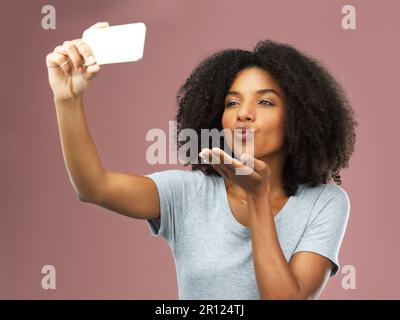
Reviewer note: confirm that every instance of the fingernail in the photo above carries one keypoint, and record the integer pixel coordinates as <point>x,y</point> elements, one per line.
<point>93,68</point>
<point>203,157</point>
<point>90,60</point>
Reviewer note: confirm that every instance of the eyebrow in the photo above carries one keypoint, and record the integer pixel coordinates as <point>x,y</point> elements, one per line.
<point>261,91</point>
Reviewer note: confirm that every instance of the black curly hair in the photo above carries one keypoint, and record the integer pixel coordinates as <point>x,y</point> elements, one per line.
<point>319,120</point>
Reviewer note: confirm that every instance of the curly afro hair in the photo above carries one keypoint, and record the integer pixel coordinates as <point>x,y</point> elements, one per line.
<point>319,121</point>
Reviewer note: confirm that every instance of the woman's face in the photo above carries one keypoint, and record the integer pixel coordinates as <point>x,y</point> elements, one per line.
<point>262,111</point>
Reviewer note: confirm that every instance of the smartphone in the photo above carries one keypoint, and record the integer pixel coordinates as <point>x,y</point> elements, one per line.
<point>116,44</point>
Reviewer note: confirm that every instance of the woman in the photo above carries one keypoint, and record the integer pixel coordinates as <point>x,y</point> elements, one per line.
<point>271,234</point>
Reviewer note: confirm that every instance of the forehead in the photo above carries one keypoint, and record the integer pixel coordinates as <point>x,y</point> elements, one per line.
<point>249,80</point>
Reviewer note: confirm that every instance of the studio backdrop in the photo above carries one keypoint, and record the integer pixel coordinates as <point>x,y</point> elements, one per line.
<point>55,246</point>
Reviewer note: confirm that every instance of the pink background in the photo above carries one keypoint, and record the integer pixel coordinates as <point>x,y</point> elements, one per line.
<point>99,254</point>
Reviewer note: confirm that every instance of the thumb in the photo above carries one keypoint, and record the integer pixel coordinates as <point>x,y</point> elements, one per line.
<point>90,71</point>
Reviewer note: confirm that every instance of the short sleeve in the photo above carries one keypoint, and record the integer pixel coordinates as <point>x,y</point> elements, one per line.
<point>177,190</point>
<point>326,228</point>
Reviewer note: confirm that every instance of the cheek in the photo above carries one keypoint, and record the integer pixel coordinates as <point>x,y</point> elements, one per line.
<point>228,119</point>
<point>224,120</point>
<point>226,124</point>
<point>273,130</point>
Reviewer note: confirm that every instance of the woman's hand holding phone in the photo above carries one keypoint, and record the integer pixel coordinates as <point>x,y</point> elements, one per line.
<point>71,66</point>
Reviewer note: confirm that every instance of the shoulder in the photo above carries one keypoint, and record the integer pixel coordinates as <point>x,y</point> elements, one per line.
<point>334,193</point>
<point>324,192</point>
<point>328,198</point>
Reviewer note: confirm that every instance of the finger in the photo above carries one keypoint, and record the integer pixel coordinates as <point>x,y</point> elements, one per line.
<point>226,159</point>
<point>85,51</point>
<point>215,158</point>
<point>235,167</point>
<point>205,155</point>
<point>73,55</point>
<point>55,59</point>
<point>61,49</point>
<point>58,60</point>
<point>214,161</point>
<point>218,159</point>
<point>90,71</point>
<point>218,164</point>
<point>257,164</point>
<point>99,25</point>
<point>66,63</point>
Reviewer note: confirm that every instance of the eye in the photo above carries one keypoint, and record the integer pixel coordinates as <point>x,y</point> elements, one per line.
<point>229,103</point>
<point>269,102</point>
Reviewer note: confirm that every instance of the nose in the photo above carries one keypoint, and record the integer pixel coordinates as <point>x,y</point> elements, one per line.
<point>245,113</point>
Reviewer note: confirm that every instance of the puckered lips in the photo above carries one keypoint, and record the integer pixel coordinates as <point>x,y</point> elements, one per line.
<point>243,133</point>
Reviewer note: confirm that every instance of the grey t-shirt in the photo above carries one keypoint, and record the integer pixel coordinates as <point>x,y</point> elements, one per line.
<point>213,251</point>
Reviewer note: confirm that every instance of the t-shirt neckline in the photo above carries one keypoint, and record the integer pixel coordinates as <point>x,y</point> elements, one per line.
<point>233,222</point>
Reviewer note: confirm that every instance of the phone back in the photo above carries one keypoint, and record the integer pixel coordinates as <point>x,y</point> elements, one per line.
<point>115,44</point>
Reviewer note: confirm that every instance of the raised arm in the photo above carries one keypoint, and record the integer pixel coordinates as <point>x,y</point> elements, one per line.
<point>131,195</point>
